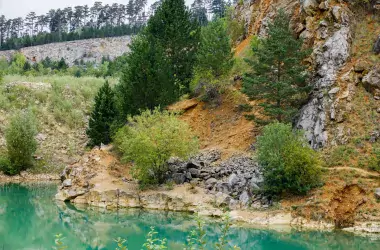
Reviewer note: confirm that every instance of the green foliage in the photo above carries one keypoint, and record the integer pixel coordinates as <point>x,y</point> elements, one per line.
<point>121,244</point>
<point>235,28</point>
<point>154,243</point>
<point>102,116</point>
<point>58,242</point>
<point>150,139</point>
<point>214,53</point>
<point>5,165</point>
<point>207,87</point>
<point>278,77</point>
<point>148,80</point>
<point>178,35</point>
<point>225,228</point>
<point>288,163</point>
<point>21,142</point>
<point>196,240</point>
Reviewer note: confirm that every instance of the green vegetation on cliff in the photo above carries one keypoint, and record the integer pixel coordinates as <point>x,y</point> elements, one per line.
<point>279,76</point>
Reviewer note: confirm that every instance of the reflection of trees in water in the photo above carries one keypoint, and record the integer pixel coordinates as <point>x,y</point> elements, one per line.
<point>16,218</point>
<point>29,218</point>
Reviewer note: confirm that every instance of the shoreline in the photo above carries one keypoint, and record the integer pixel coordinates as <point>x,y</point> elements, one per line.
<point>278,220</point>
<point>28,177</point>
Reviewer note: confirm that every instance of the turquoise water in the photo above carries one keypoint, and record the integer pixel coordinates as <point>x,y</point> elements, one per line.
<point>29,219</point>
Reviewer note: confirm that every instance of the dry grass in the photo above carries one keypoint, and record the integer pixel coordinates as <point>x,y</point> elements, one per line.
<point>61,105</point>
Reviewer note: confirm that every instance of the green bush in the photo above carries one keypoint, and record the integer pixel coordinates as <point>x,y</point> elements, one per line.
<point>21,142</point>
<point>5,165</point>
<point>288,163</point>
<point>150,139</point>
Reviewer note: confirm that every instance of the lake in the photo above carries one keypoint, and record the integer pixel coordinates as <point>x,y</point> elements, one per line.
<point>30,218</point>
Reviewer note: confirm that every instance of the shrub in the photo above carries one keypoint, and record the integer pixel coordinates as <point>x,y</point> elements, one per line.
<point>5,165</point>
<point>21,142</point>
<point>288,163</point>
<point>150,139</point>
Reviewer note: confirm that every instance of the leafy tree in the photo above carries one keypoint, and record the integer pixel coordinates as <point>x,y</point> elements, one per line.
<point>288,163</point>
<point>21,142</point>
<point>214,52</point>
<point>99,129</point>
<point>178,35</point>
<point>150,139</point>
<point>147,81</point>
<point>279,77</point>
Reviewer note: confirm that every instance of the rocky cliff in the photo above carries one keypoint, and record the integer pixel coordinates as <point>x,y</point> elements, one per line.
<point>331,29</point>
<point>90,50</point>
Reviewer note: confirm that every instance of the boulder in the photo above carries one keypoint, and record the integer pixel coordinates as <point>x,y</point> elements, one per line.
<point>233,180</point>
<point>244,198</point>
<point>194,172</point>
<point>377,193</point>
<point>372,79</point>
<point>211,182</point>
<point>179,178</point>
<point>376,46</point>
<point>309,6</point>
<point>222,199</point>
<point>324,5</point>
<point>361,66</point>
<point>67,183</point>
<point>193,164</point>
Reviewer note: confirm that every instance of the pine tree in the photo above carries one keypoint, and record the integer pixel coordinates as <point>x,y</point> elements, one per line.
<point>147,81</point>
<point>279,76</point>
<point>199,12</point>
<point>214,53</point>
<point>178,34</point>
<point>104,113</point>
<point>218,7</point>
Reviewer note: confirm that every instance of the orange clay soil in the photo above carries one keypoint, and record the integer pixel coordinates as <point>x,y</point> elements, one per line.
<point>223,127</point>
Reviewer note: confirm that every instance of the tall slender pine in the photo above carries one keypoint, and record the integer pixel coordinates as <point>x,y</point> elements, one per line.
<point>279,76</point>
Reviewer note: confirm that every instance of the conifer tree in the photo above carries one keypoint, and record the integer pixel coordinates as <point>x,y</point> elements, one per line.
<point>102,117</point>
<point>178,35</point>
<point>214,52</point>
<point>147,81</point>
<point>279,76</point>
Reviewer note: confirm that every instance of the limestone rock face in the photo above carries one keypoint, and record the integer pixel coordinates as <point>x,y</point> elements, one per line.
<point>89,50</point>
<point>330,57</point>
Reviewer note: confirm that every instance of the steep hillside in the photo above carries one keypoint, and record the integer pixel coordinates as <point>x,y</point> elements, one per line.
<point>90,50</point>
<point>61,106</point>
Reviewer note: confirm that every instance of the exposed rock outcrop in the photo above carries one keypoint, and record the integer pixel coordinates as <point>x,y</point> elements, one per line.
<point>90,50</point>
<point>376,46</point>
<point>229,183</point>
<point>372,80</point>
<point>329,57</point>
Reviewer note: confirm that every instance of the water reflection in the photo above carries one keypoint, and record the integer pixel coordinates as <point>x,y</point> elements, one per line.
<point>29,219</point>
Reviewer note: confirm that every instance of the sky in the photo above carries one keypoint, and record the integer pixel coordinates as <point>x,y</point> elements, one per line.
<point>20,8</point>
